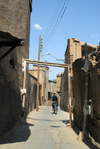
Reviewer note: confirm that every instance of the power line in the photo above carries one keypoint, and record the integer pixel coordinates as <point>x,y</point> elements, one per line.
<point>53,17</point>
<point>55,57</point>
<point>57,23</point>
<point>54,22</point>
<point>50,53</point>
<point>61,14</point>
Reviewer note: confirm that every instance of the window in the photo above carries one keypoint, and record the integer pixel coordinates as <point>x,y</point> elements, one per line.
<point>12,63</point>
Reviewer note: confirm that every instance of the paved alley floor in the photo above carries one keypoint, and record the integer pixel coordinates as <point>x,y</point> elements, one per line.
<point>43,130</point>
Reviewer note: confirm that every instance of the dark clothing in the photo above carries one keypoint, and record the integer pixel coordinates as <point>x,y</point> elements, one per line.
<point>53,104</point>
<point>55,98</point>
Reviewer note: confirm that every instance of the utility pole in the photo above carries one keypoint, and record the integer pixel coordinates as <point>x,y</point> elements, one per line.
<point>37,100</point>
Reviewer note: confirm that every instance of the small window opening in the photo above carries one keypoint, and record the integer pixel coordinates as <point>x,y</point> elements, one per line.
<point>12,63</point>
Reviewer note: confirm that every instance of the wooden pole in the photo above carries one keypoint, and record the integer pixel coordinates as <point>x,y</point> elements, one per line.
<point>37,100</point>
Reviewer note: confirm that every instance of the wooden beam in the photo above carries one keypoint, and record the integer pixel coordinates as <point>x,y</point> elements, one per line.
<point>46,63</point>
<point>5,54</point>
<point>11,43</point>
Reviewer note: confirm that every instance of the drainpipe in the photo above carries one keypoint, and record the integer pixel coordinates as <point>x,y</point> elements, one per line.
<point>69,94</point>
<point>23,91</point>
<point>70,88</point>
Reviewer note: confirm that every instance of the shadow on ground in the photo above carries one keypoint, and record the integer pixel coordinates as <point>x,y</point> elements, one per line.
<point>20,133</point>
<point>65,121</point>
<point>55,126</point>
<point>62,109</point>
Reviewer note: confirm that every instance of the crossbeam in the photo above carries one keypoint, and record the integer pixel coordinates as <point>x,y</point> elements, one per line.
<point>46,63</point>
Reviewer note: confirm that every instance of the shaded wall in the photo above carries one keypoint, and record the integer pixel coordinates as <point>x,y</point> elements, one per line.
<point>10,103</point>
<point>62,91</point>
<point>79,91</point>
<point>32,92</point>
<point>93,124</point>
<point>93,121</point>
<point>66,99</point>
<point>15,19</point>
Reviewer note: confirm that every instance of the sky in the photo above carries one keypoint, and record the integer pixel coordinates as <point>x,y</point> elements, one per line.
<point>56,21</point>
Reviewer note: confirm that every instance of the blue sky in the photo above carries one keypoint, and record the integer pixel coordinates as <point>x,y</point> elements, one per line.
<point>81,20</point>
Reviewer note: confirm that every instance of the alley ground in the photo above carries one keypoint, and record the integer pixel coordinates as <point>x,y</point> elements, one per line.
<point>44,130</point>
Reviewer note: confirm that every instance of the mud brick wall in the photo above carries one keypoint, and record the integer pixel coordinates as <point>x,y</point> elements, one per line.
<point>32,92</point>
<point>10,103</point>
<point>62,91</point>
<point>78,89</point>
<point>93,124</point>
<point>66,100</point>
<point>15,19</point>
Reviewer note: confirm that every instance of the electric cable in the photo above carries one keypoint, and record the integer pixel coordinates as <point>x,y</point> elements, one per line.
<point>61,14</point>
<point>53,18</point>
<point>54,56</point>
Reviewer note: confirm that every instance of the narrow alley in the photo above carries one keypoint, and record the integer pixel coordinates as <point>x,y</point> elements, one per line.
<point>44,130</point>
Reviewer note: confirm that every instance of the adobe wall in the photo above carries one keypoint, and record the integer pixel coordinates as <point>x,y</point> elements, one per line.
<point>15,19</point>
<point>73,51</point>
<point>78,90</point>
<point>93,123</point>
<point>58,89</point>
<point>66,99</point>
<point>13,16</point>
<point>62,91</point>
<point>32,92</point>
<point>10,103</point>
<point>41,78</point>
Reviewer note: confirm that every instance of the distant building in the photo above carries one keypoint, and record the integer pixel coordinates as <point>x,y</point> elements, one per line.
<point>75,50</point>
<point>58,88</point>
<point>52,86</point>
<point>34,71</point>
<point>32,92</point>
